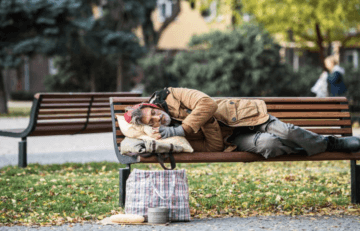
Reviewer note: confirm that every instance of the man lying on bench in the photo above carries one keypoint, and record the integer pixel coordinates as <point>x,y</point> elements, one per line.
<point>228,124</point>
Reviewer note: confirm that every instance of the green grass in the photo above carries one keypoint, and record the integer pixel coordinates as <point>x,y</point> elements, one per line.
<point>17,112</point>
<point>56,194</point>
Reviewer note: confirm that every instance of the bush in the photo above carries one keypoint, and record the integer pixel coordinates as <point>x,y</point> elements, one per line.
<point>241,62</point>
<point>74,74</point>
<point>156,69</point>
<point>22,95</point>
<point>300,83</point>
<point>352,82</point>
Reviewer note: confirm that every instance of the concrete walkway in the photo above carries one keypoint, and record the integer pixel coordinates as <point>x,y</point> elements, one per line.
<point>56,149</point>
<point>279,223</point>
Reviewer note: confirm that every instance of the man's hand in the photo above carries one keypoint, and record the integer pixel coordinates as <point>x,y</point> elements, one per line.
<point>166,132</point>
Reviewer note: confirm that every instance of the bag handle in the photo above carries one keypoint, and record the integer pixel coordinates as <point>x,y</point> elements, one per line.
<point>162,157</point>
<point>157,191</point>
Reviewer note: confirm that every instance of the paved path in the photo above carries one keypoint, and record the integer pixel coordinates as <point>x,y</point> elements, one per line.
<point>56,149</point>
<point>279,223</point>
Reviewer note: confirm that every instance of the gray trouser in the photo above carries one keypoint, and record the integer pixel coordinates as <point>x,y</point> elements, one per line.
<point>275,138</point>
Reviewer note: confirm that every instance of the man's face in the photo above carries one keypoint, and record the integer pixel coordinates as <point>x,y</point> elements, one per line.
<point>155,117</point>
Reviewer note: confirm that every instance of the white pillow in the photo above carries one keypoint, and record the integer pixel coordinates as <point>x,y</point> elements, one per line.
<point>144,132</point>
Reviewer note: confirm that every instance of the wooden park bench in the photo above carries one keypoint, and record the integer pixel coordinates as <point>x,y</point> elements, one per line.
<point>326,116</point>
<point>65,114</point>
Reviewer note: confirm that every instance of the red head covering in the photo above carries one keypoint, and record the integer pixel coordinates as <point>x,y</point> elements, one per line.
<point>128,114</point>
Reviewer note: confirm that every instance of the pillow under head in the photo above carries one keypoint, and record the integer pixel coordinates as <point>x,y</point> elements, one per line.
<point>144,132</point>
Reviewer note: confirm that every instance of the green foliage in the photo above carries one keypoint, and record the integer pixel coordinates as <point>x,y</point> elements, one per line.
<point>157,72</point>
<point>68,28</point>
<point>17,112</point>
<point>74,74</point>
<point>242,62</point>
<point>299,83</point>
<point>352,83</point>
<point>22,95</point>
<point>35,26</point>
<point>334,17</point>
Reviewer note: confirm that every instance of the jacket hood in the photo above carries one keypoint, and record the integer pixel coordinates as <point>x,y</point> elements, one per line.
<point>338,69</point>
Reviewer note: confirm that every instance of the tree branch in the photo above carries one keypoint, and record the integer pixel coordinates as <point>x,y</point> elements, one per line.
<point>169,20</point>
<point>319,41</point>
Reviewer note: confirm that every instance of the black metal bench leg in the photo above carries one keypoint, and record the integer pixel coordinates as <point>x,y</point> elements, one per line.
<point>355,182</point>
<point>22,153</point>
<point>123,176</point>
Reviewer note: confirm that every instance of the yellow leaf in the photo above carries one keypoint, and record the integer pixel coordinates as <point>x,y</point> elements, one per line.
<point>208,195</point>
<point>244,204</point>
<point>278,198</point>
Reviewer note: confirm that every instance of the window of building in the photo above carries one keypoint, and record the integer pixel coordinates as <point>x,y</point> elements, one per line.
<point>165,9</point>
<point>209,14</point>
<point>352,57</point>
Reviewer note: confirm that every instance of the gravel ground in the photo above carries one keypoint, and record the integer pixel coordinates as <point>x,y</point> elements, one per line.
<point>279,223</point>
<point>99,147</point>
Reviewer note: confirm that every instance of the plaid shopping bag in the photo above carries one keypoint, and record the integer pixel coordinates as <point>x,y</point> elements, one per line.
<point>149,189</point>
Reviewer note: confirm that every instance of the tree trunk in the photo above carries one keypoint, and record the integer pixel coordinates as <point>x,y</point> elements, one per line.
<point>3,97</point>
<point>92,80</point>
<point>319,43</point>
<point>330,48</point>
<point>152,37</point>
<point>19,78</point>
<point>148,30</point>
<point>120,76</point>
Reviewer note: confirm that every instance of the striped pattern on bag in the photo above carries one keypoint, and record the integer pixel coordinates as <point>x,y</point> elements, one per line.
<point>148,189</point>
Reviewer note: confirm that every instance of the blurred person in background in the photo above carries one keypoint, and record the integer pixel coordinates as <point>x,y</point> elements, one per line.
<point>321,86</point>
<point>335,77</point>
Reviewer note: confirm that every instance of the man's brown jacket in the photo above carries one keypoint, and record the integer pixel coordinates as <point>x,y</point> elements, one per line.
<point>200,116</point>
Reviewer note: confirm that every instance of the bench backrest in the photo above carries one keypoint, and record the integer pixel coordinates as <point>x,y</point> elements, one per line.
<point>72,113</point>
<point>327,116</point>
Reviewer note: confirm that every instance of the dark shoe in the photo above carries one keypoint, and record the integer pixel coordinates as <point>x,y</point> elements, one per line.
<point>343,144</point>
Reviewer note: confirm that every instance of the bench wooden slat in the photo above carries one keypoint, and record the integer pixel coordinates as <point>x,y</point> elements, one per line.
<point>74,123</point>
<point>309,115</point>
<point>329,131</point>
<point>210,157</point>
<point>87,95</point>
<point>73,111</point>
<point>119,133</point>
<point>303,107</point>
<point>77,100</point>
<point>100,115</point>
<point>61,127</point>
<point>68,131</point>
<point>75,105</point>
<point>121,107</point>
<point>323,122</point>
